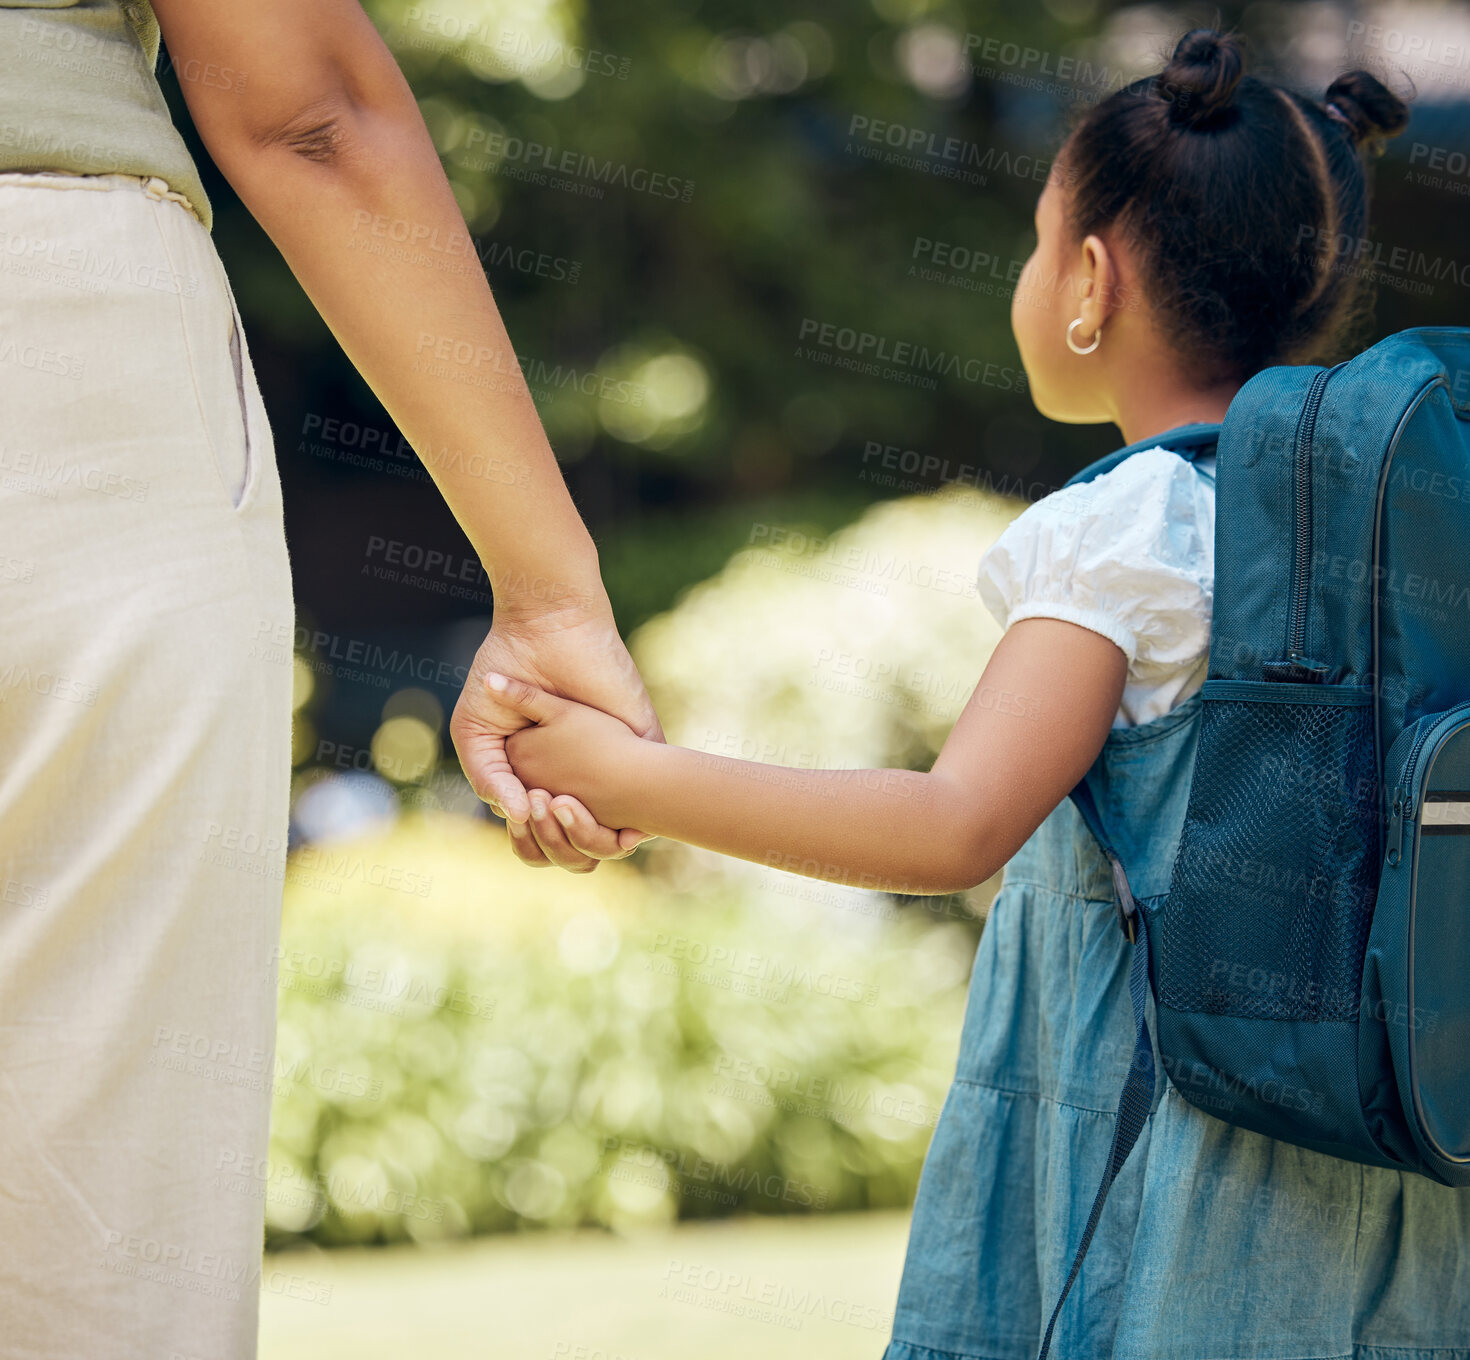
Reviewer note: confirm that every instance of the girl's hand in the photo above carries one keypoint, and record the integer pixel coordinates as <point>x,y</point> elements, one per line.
<point>572,746</point>
<point>562,832</point>
<point>572,652</point>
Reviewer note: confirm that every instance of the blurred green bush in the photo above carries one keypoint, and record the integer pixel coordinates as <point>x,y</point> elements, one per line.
<point>483,1048</point>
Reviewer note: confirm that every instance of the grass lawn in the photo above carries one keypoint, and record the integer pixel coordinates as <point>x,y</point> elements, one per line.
<point>816,1288</point>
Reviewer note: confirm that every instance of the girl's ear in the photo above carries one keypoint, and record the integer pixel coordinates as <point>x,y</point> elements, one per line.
<point>1098,284</point>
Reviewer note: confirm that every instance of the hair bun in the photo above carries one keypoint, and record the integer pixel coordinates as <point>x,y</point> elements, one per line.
<point>1368,110</point>
<point>1199,82</point>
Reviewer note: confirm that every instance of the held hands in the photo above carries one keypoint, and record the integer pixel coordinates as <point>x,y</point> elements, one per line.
<point>578,653</point>
<point>571,745</point>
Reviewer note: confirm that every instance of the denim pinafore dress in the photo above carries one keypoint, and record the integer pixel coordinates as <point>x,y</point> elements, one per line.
<point>1216,1243</point>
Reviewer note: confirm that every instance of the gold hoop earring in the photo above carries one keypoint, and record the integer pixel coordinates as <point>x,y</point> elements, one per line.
<point>1079,349</point>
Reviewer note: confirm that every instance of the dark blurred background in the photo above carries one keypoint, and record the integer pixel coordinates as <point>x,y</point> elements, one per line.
<point>748,109</point>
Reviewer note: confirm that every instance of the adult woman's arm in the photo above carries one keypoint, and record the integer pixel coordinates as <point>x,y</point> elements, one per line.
<point>320,135</point>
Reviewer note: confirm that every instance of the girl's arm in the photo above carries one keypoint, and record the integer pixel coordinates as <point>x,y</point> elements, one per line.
<point>1033,726</point>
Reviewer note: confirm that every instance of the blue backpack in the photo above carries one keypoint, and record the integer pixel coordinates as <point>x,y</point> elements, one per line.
<point>1310,963</point>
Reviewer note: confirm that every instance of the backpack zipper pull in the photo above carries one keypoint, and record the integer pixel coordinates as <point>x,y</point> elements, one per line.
<point>1396,827</point>
<point>1297,669</point>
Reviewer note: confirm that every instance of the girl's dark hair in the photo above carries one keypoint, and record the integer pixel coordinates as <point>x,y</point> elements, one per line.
<point>1245,202</point>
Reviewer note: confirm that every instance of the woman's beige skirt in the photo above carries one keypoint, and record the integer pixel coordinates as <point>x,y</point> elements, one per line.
<point>145,706</point>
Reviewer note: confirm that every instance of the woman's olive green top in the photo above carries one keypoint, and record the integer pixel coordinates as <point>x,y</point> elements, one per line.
<point>77,93</point>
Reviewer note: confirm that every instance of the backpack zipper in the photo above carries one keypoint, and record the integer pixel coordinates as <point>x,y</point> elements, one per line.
<point>1404,794</point>
<point>1379,755</point>
<point>1296,628</point>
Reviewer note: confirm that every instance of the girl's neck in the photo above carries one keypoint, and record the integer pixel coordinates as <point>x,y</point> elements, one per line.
<point>1141,415</point>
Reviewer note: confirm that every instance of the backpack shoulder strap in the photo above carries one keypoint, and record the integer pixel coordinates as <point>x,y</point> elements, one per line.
<point>1134,1103</point>
<point>1137,1097</point>
<point>1188,441</point>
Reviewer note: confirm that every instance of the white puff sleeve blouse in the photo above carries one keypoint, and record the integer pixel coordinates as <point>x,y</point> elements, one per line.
<point>1130,555</point>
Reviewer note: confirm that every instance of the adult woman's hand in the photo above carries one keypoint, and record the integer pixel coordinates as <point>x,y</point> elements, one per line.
<point>573,651</point>
<point>324,142</point>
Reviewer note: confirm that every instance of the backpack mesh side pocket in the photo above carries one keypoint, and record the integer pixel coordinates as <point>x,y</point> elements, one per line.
<point>1272,892</point>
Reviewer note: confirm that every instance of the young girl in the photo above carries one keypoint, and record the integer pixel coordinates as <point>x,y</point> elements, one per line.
<point>1177,213</point>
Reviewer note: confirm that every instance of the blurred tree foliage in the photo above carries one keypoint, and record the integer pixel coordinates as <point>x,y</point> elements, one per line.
<point>785,222</point>
<point>753,103</point>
